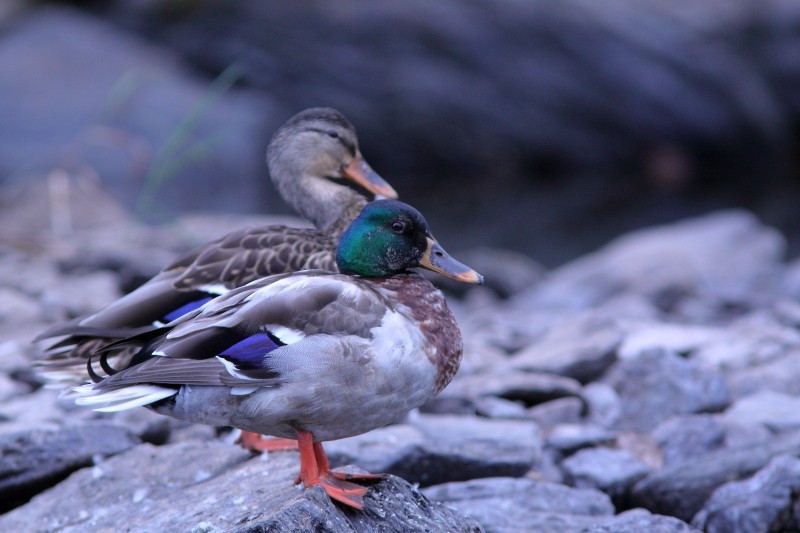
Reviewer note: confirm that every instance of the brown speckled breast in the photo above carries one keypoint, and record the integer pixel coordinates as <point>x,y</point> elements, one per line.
<point>437,323</point>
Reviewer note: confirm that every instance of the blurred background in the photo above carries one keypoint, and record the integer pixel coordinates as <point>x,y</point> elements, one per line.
<point>542,127</point>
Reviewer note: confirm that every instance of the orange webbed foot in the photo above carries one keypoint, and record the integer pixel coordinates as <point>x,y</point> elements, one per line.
<point>343,491</point>
<point>257,443</point>
<point>339,486</point>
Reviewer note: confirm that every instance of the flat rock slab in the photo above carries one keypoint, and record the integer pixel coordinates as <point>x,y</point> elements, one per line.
<point>212,487</point>
<point>436,449</point>
<point>32,461</point>
<point>581,348</point>
<point>507,505</point>
<point>530,388</point>
<point>640,521</point>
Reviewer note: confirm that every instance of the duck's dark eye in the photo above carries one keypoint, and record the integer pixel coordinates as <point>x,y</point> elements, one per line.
<point>333,134</point>
<point>398,227</point>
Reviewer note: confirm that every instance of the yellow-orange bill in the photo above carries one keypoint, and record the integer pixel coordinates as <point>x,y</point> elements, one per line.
<point>358,171</point>
<point>438,260</point>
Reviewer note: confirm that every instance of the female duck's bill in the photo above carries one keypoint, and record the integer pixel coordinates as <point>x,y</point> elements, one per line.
<point>359,172</point>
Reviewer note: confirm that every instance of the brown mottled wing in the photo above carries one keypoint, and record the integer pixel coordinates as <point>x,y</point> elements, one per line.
<point>243,256</point>
<point>231,261</point>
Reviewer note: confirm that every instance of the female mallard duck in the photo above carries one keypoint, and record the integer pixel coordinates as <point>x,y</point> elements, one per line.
<point>310,355</point>
<point>306,157</point>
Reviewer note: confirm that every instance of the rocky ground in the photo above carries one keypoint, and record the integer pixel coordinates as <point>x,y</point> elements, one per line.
<point>653,385</point>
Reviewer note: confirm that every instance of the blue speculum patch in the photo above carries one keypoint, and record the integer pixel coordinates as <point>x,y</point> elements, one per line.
<point>182,310</point>
<point>250,351</point>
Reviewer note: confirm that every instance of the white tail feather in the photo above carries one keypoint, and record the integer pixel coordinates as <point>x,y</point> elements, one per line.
<point>121,399</point>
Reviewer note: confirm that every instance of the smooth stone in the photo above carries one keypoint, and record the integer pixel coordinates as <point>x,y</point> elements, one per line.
<point>640,521</point>
<point>723,258</point>
<point>507,505</point>
<point>569,438</point>
<point>529,387</point>
<point>581,347</point>
<point>569,410</point>
<point>779,375</point>
<point>493,407</point>
<point>604,405</point>
<point>612,471</point>
<point>775,410</point>
<point>660,384</point>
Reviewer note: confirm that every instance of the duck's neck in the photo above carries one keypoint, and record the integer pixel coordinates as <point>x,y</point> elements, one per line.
<point>328,205</point>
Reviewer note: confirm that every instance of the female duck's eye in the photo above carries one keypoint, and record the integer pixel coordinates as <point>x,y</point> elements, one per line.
<point>332,134</point>
<point>398,227</point>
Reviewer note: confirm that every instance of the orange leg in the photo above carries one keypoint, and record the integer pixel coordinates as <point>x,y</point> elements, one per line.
<point>315,470</point>
<point>257,443</point>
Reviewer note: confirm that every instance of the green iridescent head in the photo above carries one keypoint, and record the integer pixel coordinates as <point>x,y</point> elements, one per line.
<point>389,237</point>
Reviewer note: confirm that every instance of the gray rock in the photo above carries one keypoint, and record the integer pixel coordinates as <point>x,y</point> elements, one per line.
<point>681,490</point>
<point>33,461</point>
<point>765,502</point>
<point>493,407</point>
<point>529,387</point>
<point>754,339</point>
<point>436,449</point>
<point>779,375</point>
<point>569,438</point>
<point>209,486</point>
<point>680,338</point>
<point>380,450</point>
<point>505,505</point>
<point>569,410</point>
<point>718,259</point>
<point>660,384</point>
<point>685,437</point>
<point>639,521</point>
<point>581,348</point>
<point>775,410</point>
<point>604,404</point>
<point>612,471</point>
<point>460,448</point>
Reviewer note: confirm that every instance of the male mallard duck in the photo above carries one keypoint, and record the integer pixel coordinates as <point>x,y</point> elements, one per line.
<point>310,355</point>
<point>306,156</point>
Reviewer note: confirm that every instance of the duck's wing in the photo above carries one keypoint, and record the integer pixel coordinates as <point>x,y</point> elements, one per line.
<point>245,337</point>
<point>193,280</point>
<point>249,254</point>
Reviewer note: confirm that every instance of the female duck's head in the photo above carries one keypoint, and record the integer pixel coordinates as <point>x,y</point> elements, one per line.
<point>389,237</point>
<point>310,157</point>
